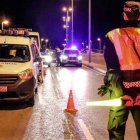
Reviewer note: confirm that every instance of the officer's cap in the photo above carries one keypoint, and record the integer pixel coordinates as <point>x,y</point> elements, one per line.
<point>132,9</point>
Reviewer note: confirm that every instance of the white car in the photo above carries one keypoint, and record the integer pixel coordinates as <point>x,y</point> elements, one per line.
<point>46,58</point>
<point>71,56</point>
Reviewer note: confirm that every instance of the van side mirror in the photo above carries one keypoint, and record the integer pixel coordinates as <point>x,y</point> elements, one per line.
<point>39,59</point>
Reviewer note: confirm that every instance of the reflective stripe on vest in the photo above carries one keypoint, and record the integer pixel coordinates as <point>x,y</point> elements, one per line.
<point>122,40</point>
<point>131,84</point>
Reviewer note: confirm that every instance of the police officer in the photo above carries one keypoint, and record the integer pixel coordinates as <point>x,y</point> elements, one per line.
<point>58,54</point>
<point>122,80</point>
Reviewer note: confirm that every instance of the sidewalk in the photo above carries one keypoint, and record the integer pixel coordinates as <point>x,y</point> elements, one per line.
<point>99,67</point>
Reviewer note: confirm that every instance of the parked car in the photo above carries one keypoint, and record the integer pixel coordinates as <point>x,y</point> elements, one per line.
<point>46,58</point>
<point>52,53</point>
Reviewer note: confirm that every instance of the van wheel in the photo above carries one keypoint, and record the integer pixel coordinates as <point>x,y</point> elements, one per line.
<point>31,101</point>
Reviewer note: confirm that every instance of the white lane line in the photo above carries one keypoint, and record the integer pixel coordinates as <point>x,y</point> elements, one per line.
<point>85,130</point>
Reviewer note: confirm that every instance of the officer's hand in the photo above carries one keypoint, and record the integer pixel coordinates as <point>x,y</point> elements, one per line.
<point>137,101</point>
<point>128,101</point>
<point>102,90</point>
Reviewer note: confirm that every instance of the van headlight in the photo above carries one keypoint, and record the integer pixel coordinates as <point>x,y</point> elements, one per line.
<point>48,59</point>
<point>79,57</point>
<point>27,74</point>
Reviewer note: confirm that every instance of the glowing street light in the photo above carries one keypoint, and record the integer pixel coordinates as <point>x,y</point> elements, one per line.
<point>46,40</point>
<point>42,39</point>
<point>99,40</point>
<point>72,21</point>
<point>66,19</point>
<point>65,9</point>
<point>64,45</point>
<point>4,22</point>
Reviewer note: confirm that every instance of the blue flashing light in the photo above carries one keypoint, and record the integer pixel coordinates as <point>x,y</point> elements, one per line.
<point>74,47</point>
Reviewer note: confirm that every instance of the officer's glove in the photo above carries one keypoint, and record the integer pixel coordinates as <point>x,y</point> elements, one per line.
<point>128,101</point>
<point>137,101</point>
<point>112,85</point>
<point>104,89</point>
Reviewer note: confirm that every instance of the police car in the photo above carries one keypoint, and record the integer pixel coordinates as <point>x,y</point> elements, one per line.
<point>71,56</point>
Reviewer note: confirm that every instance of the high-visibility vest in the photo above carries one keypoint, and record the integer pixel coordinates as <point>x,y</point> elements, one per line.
<point>123,39</point>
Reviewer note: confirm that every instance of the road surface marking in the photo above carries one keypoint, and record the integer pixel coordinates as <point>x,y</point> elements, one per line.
<point>85,130</point>
<point>101,72</point>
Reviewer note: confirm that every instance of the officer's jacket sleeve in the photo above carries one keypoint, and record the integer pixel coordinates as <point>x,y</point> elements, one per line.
<point>110,56</point>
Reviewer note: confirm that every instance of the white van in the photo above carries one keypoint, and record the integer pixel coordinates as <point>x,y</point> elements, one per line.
<point>19,69</point>
<point>35,37</point>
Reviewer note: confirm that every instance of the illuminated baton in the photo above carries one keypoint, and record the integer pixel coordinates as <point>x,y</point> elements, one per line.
<point>113,102</point>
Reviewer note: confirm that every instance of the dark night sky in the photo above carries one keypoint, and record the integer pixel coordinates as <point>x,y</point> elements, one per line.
<point>45,16</point>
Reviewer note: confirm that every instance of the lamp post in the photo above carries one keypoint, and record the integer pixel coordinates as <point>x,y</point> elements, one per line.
<point>66,26</point>
<point>4,22</point>
<point>99,40</point>
<point>89,33</point>
<point>72,22</point>
<point>67,19</point>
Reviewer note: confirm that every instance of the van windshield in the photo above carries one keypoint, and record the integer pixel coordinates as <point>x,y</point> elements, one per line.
<point>14,53</point>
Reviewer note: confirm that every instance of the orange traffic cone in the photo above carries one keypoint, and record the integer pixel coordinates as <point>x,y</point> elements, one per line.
<point>44,71</point>
<point>70,106</point>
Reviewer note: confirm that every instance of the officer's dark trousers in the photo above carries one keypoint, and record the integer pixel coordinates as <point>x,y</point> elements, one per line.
<point>117,121</point>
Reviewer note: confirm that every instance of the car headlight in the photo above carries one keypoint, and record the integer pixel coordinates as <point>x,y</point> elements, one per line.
<point>27,74</point>
<point>48,59</point>
<point>64,57</point>
<point>79,57</point>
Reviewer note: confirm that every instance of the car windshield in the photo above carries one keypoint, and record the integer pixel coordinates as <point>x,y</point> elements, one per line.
<point>14,53</point>
<point>71,52</point>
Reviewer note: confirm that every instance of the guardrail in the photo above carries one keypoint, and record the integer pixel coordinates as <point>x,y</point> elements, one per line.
<point>93,50</point>
<point>97,50</point>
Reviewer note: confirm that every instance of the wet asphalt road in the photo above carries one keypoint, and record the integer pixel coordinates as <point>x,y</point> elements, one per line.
<point>47,120</point>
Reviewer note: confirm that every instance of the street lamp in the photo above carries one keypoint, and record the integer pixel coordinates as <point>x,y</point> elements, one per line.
<point>4,22</point>
<point>46,40</point>
<point>66,19</point>
<point>89,32</point>
<point>72,22</point>
<point>64,45</point>
<point>99,40</point>
<point>42,39</point>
